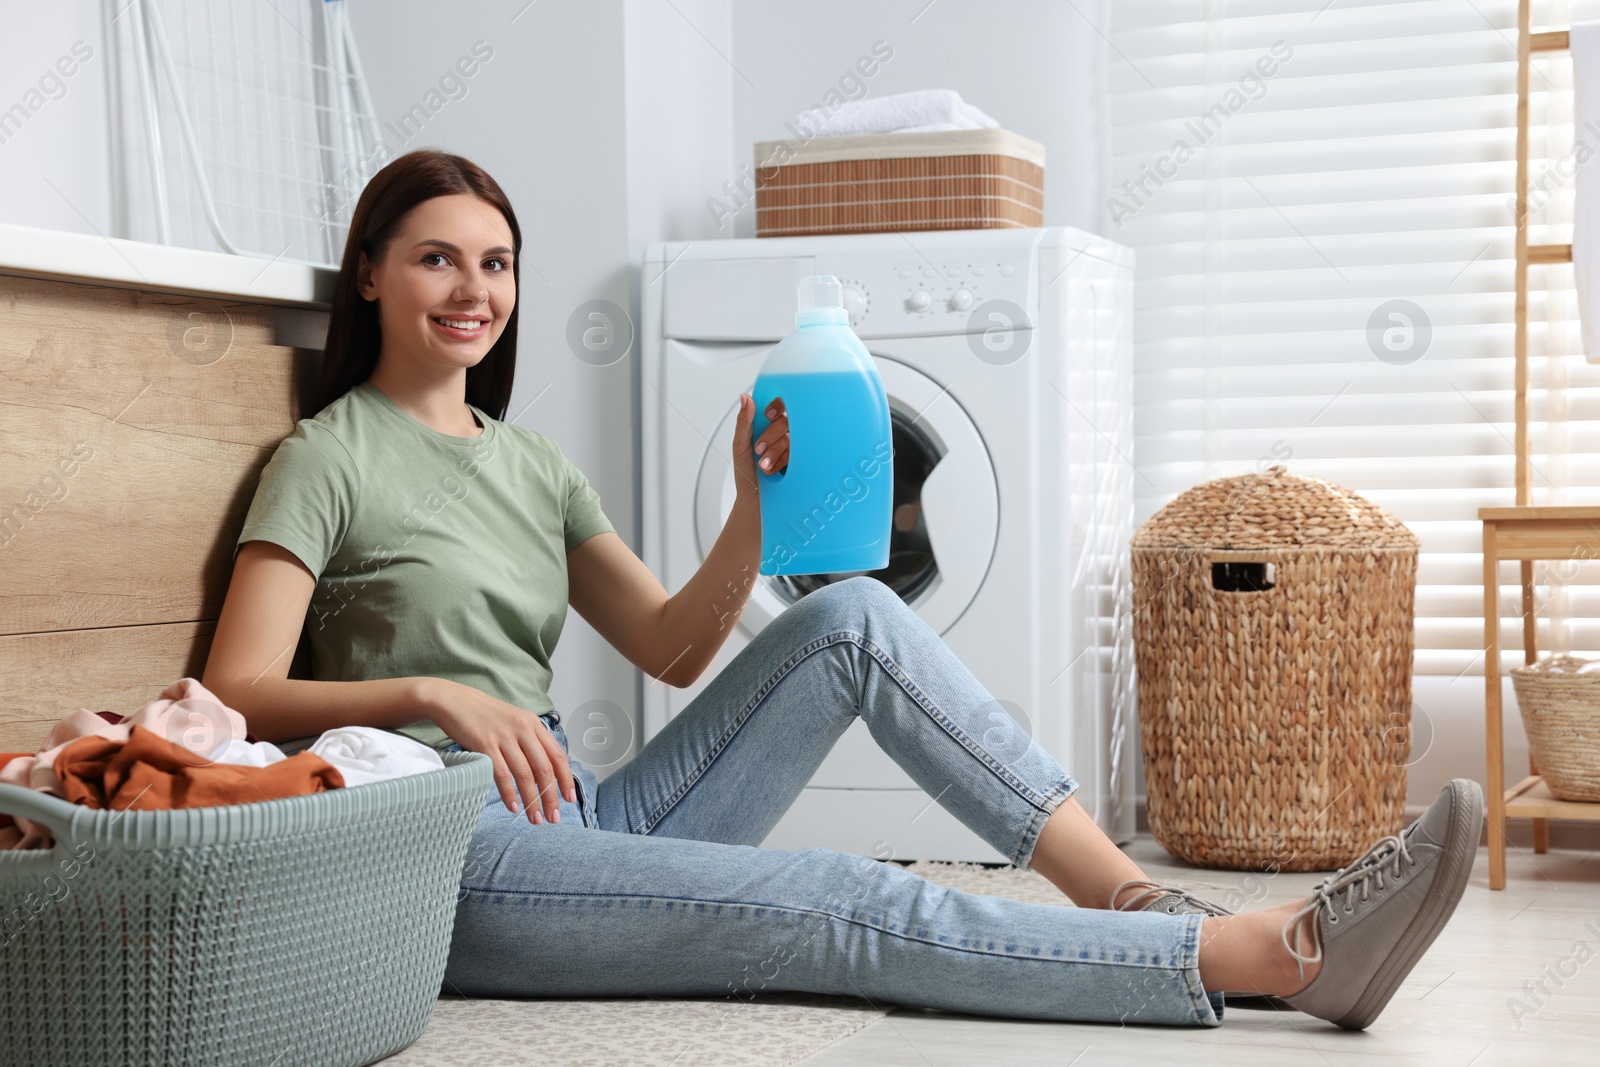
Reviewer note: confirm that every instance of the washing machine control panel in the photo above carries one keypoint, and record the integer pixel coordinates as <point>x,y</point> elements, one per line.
<point>912,293</point>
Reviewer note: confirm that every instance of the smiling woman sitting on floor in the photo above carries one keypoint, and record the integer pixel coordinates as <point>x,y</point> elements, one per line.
<point>432,550</point>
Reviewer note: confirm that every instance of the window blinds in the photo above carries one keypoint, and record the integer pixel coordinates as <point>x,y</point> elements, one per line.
<point>1320,198</point>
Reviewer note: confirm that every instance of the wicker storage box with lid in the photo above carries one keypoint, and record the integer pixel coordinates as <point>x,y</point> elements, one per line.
<point>1273,643</point>
<point>871,183</point>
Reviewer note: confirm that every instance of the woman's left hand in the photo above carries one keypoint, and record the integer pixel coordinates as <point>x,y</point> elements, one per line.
<point>769,453</point>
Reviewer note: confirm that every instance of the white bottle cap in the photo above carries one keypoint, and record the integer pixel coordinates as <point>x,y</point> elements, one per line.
<point>821,291</point>
<point>821,301</point>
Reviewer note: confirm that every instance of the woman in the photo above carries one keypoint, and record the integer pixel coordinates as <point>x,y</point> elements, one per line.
<point>430,549</point>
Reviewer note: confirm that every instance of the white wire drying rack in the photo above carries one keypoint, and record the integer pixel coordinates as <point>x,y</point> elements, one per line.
<point>275,130</point>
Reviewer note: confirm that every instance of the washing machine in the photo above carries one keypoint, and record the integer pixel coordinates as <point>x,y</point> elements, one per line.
<point>1006,356</point>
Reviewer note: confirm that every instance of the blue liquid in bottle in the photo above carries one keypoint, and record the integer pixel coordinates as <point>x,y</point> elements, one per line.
<point>830,509</point>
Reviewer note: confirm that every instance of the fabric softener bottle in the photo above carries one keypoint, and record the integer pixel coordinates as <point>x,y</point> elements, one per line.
<point>830,509</point>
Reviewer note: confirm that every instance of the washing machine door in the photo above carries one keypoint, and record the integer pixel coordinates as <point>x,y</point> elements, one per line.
<point>946,506</point>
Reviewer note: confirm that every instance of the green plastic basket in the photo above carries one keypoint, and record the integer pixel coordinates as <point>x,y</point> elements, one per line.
<point>304,930</point>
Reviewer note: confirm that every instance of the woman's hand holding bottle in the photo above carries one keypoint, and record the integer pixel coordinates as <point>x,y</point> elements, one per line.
<point>768,453</point>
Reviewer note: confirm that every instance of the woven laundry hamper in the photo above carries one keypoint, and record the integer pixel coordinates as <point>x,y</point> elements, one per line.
<point>302,930</point>
<point>869,183</point>
<point>1273,642</point>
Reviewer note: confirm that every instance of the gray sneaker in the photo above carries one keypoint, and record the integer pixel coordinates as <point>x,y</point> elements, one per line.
<point>1376,917</point>
<point>1174,900</point>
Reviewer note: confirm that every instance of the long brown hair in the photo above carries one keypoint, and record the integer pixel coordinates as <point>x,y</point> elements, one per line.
<point>355,337</point>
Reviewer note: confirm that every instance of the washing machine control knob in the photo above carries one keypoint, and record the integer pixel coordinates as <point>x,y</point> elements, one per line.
<point>961,300</point>
<point>921,300</point>
<point>855,301</point>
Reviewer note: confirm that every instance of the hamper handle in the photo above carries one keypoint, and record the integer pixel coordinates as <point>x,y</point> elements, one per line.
<point>40,807</point>
<point>1241,555</point>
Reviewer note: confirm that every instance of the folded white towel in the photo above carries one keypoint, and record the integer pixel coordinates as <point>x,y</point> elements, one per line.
<point>1584,45</point>
<point>366,754</point>
<point>917,111</point>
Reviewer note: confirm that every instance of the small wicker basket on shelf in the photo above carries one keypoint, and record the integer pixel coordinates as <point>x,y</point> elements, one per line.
<point>1561,716</point>
<point>1273,643</point>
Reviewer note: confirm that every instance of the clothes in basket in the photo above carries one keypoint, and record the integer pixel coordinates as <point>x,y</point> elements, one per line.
<point>188,749</point>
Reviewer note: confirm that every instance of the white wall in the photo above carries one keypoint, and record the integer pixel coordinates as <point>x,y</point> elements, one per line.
<point>53,145</point>
<point>679,117</point>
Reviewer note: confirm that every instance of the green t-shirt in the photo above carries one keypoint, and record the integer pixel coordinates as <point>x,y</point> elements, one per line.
<point>436,555</point>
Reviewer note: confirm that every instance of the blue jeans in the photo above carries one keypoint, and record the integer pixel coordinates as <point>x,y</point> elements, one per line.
<point>652,884</point>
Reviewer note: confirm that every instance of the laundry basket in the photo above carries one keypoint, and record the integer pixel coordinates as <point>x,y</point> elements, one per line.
<point>302,930</point>
<point>1273,644</point>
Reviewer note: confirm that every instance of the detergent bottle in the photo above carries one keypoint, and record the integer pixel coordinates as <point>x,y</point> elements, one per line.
<point>830,509</point>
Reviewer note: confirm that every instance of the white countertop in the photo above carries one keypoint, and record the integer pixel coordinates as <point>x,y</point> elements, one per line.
<point>63,255</point>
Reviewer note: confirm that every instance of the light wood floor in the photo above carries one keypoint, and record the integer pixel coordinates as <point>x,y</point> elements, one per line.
<point>1455,1009</point>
